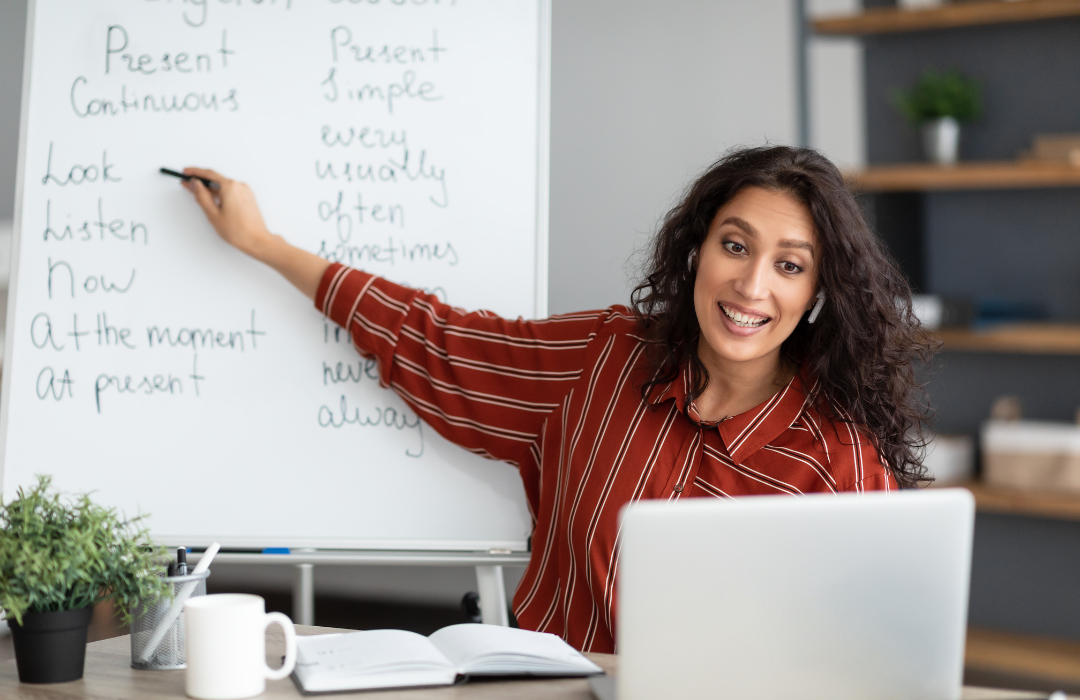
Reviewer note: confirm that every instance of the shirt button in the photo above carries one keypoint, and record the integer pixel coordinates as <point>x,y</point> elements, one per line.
<point>678,488</point>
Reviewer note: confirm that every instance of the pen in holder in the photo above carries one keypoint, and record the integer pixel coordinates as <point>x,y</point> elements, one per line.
<point>170,653</point>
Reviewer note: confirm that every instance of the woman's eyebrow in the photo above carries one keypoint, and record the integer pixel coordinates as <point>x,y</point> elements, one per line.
<point>743,224</point>
<point>792,243</point>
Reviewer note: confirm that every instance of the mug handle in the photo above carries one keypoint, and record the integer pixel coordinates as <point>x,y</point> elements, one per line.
<point>290,646</point>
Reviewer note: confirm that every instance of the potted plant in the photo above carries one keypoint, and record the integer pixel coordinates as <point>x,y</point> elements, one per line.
<point>937,105</point>
<point>58,557</point>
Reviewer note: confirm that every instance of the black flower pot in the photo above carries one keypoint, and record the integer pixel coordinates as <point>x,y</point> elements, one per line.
<point>50,647</point>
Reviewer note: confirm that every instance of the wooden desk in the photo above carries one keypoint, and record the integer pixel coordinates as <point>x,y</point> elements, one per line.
<point>109,675</point>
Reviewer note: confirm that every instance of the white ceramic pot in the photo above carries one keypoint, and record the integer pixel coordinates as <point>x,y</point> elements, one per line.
<point>941,140</point>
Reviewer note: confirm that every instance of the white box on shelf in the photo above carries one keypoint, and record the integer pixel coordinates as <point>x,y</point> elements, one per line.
<point>929,309</point>
<point>950,459</point>
<point>1031,455</point>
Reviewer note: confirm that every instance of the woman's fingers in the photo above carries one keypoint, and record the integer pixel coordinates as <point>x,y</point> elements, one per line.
<point>231,210</point>
<point>208,174</point>
<point>205,200</point>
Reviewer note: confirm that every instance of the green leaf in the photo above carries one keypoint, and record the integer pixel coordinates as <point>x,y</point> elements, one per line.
<point>937,95</point>
<point>61,554</point>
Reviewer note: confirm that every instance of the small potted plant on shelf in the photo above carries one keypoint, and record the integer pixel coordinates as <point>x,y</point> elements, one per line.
<point>58,557</point>
<point>937,105</point>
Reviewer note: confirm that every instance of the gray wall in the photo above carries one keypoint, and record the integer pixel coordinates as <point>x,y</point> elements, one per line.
<point>12,31</point>
<point>644,96</point>
<point>1024,574</point>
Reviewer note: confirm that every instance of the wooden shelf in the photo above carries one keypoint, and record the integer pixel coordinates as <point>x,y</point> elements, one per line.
<point>968,14</point>
<point>1056,505</point>
<point>1032,660</point>
<point>980,175</point>
<point>1026,338</point>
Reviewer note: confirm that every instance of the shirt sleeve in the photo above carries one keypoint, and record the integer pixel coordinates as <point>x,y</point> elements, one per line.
<point>483,382</point>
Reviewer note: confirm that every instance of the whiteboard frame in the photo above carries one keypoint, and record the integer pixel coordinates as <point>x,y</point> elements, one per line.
<point>543,160</point>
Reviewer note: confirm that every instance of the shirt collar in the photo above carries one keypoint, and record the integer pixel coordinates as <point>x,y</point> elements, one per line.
<point>675,389</point>
<point>748,432</point>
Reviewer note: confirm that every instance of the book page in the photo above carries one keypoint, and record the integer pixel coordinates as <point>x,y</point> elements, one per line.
<point>372,659</point>
<point>490,649</point>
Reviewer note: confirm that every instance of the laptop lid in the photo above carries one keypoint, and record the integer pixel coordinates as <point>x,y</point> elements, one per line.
<point>859,597</point>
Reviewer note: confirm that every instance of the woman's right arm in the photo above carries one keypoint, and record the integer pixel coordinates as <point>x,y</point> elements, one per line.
<point>483,382</point>
<point>235,216</point>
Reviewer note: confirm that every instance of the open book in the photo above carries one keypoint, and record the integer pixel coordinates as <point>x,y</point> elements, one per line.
<point>398,659</point>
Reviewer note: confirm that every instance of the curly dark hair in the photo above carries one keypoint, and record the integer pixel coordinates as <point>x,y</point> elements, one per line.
<point>864,346</point>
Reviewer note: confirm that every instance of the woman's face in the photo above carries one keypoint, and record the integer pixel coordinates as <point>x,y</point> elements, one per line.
<point>756,277</point>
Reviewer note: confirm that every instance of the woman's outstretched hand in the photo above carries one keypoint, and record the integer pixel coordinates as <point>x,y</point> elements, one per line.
<point>233,213</point>
<point>231,210</point>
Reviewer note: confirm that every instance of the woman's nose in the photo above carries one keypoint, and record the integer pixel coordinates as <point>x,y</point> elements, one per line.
<point>752,282</point>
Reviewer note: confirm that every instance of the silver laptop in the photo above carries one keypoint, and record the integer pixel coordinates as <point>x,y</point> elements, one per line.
<point>860,597</point>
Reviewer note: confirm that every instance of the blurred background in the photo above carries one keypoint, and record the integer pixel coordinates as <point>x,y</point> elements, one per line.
<point>959,125</point>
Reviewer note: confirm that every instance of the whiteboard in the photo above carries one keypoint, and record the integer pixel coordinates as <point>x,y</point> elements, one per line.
<point>149,363</point>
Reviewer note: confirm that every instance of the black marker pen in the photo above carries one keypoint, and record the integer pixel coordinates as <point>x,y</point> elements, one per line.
<point>210,184</point>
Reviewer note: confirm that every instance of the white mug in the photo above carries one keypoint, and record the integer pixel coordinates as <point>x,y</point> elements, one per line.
<point>226,646</point>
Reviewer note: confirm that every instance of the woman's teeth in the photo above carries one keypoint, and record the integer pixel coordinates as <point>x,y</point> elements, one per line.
<point>742,320</point>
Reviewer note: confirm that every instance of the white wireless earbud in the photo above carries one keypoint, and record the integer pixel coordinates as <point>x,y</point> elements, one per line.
<point>817,307</point>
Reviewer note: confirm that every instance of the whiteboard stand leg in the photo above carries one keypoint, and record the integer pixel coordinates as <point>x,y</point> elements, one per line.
<point>303,595</point>
<point>489,581</point>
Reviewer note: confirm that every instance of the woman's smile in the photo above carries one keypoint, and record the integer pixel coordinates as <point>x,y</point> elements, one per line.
<point>742,318</point>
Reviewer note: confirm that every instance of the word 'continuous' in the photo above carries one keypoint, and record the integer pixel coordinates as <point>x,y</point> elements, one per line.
<point>99,106</point>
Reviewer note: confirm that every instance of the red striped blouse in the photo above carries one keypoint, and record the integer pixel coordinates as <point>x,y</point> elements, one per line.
<point>560,399</point>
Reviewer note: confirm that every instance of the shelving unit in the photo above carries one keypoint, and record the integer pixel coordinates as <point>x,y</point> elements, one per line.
<point>1027,338</point>
<point>924,177</point>
<point>1030,91</point>
<point>1056,505</point>
<point>1007,659</point>
<point>892,20</point>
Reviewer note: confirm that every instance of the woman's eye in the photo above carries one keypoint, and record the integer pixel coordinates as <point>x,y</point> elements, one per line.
<point>733,247</point>
<point>790,267</point>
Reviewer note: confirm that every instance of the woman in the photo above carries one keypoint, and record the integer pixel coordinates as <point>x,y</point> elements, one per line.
<point>769,350</point>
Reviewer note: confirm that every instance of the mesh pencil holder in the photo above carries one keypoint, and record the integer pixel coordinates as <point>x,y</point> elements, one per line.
<point>170,654</point>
